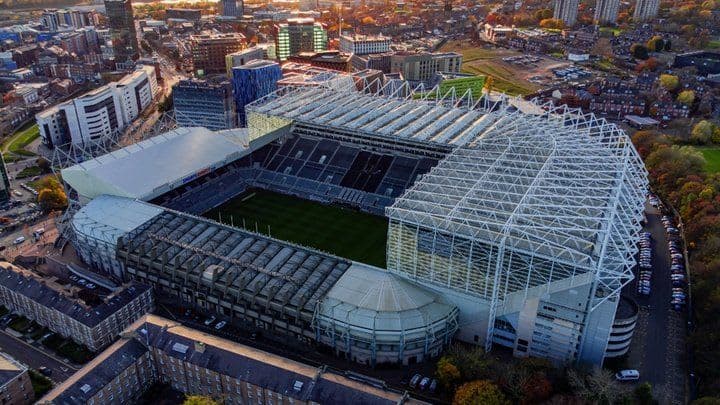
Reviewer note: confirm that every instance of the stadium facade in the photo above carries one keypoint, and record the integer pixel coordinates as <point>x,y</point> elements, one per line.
<point>511,223</point>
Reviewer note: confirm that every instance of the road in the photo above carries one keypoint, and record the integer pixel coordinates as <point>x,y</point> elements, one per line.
<point>137,130</point>
<point>34,358</point>
<point>659,339</point>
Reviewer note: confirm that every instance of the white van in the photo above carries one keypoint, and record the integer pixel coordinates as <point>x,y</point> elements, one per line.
<point>627,375</point>
<point>19,240</point>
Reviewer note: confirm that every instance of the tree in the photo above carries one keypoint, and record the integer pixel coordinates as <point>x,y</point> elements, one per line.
<point>639,51</point>
<point>44,165</point>
<point>599,386</point>
<point>669,82</point>
<point>702,132</point>
<point>199,400</point>
<point>51,200</point>
<point>51,195</point>
<point>650,65</point>
<point>643,394</point>
<point>552,23</point>
<point>686,97</point>
<point>656,44</point>
<point>479,392</point>
<point>543,14</point>
<point>447,373</point>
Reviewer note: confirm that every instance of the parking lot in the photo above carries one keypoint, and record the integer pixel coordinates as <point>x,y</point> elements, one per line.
<point>659,341</point>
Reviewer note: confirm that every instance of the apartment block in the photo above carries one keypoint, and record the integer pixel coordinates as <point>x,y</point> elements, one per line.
<point>100,113</point>
<point>364,44</point>
<point>422,66</point>
<point>299,35</point>
<point>209,51</point>
<point>59,308</point>
<point>156,349</point>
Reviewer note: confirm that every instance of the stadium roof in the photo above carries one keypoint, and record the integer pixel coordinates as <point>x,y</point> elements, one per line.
<point>109,218</point>
<point>536,182</point>
<point>157,165</point>
<point>373,299</point>
<point>429,119</point>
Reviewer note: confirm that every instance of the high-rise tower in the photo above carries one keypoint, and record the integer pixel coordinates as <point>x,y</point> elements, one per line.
<point>122,29</point>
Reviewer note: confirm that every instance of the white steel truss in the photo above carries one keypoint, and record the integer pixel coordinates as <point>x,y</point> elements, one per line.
<point>531,194</point>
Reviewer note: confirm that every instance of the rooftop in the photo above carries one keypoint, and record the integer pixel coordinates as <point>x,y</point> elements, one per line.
<point>9,368</point>
<point>290,378</point>
<point>262,269</point>
<point>154,166</point>
<point>52,295</point>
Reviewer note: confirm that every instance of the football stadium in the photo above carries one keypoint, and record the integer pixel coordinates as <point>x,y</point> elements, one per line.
<point>501,222</point>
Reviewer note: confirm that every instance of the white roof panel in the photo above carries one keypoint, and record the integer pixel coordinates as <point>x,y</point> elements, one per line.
<point>106,218</point>
<point>147,169</point>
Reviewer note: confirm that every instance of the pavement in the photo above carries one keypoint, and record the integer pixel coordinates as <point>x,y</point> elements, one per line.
<point>658,344</point>
<point>34,357</point>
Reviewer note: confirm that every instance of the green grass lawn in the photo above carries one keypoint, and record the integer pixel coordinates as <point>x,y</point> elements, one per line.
<point>713,44</point>
<point>712,159</point>
<point>22,138</point>
<point>340,231</point>
<point>501,81</point>
<point>30,171</point>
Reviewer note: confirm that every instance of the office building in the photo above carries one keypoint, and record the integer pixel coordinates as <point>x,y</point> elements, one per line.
<point>244,56</point>
<point>183,14</point>
<point>421,67</point>
<point>566,10</point>
<point>122,30</point>
<point>136,92</point>
<point>232,8</point>
<point>15,385</point>
<point>253,81</point>
<point>209,51</point>
<point>50,20</point>
<point>333,60</point>
<point>156,349</point>
<point>606,11</point>
<point>204,103</point>
<point>646,10</point>
<point>101,113</point>
<point>94,323</point>
<point>364,44</point>
<point>299,35</point>
<point>376,61</point>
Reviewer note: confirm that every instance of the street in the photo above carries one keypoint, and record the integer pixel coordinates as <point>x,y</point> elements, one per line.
<point>659,340</point>
<point>34,358</point>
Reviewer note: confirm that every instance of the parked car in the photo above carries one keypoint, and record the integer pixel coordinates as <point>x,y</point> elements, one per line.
<point>19,240</point>
<point>424,383</point>
<point>627,375</point>
<point>433,386</point>
<point>45,371</point>
<point>415,380</point>
<point>220,325</point>
<point>210,321</point>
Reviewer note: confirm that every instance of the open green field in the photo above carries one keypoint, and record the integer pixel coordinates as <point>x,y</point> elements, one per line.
<point>340,231</point>
<point>16,143</point>
<point>712,159</point>
<point>486,61</point>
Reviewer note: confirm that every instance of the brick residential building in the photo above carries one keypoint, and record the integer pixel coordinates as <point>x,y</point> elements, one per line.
<point>57,307</point>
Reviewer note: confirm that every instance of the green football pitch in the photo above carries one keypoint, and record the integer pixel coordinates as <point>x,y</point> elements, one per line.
<point>337,230</point>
